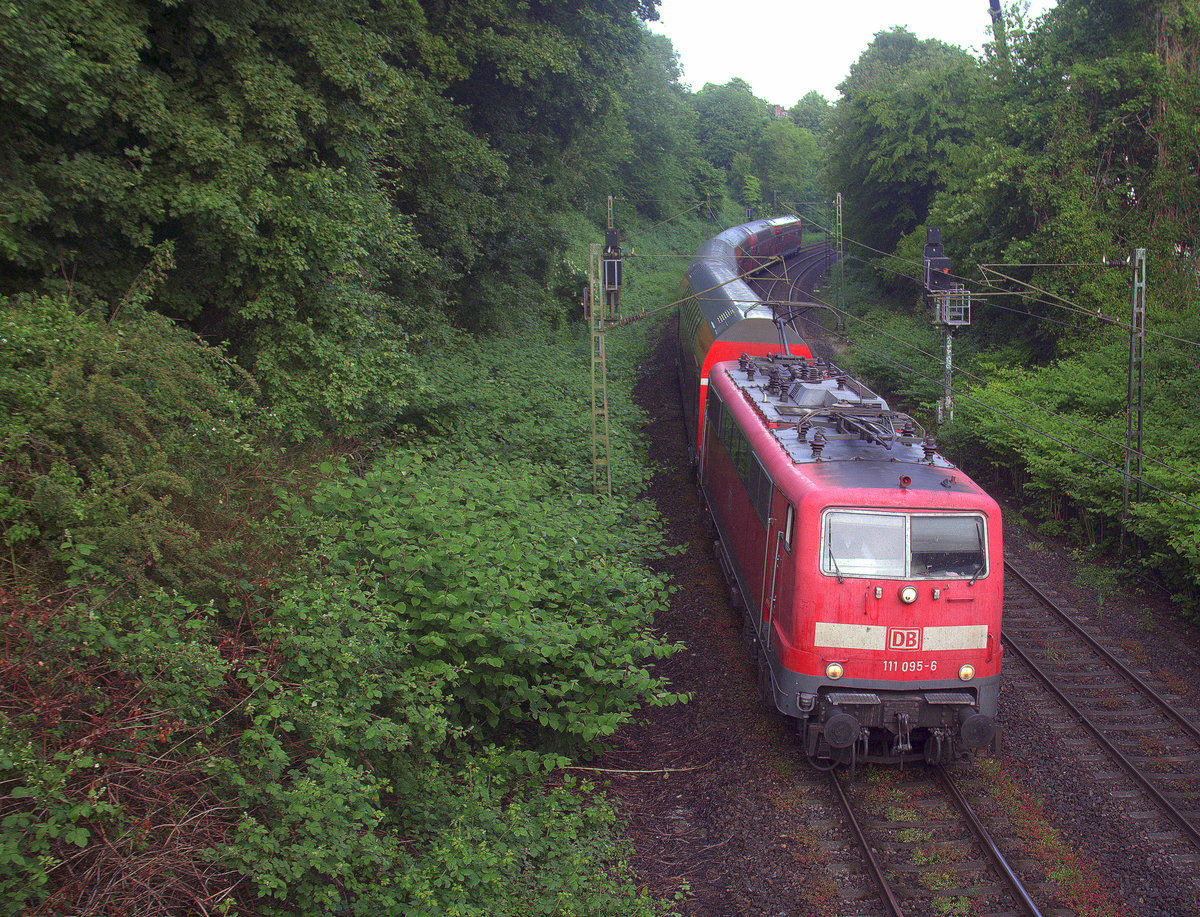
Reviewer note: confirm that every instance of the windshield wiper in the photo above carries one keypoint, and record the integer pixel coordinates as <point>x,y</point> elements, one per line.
<point>833,560</point>
<point>982,553</point>
<point>978,570</point>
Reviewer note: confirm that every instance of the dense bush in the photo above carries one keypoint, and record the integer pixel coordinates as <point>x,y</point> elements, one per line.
<point>352,691</point>
<point>1057,434</point>
<point>110,417</point>
<point>462,621</point>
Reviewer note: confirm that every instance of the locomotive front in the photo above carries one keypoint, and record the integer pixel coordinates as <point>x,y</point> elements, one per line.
<point>893,647</point>
<point>871,568</point>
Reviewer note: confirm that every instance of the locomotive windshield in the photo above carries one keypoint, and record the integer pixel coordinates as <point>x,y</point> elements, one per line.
<point>904,545</point>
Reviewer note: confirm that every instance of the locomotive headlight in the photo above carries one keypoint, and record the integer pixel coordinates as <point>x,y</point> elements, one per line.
<point>967,672</point>
<point>908,595</point>
<point>834,670</point>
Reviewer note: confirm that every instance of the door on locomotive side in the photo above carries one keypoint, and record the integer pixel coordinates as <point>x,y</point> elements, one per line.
<point>779,580</point>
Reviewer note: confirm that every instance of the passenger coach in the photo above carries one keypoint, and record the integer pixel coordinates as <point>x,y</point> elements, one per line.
<point>721,316</point>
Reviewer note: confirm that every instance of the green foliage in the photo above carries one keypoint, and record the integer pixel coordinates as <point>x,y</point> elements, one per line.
<point>527,593</point>
<point>361,704</point>
<point>1055,433</point>
<point>752,191</point>
<point>812,113</point>
<point>767,161</point>
<point>106,697</point>
<point>665,170</point>
<point>908,107</point>
<point>48,818</point>
<point>542,84</point>
<point>1077,160</point>
<point>381,731</point>
<point>250,140</point>
<point>530,849</point>
<point>730,118</point>
<point>787,161</point>
<point>464,600</point>
<point>333,177</point>
<point>1062,148</point>
<point>110,418</point>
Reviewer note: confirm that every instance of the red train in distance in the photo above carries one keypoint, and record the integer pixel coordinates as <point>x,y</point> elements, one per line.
<point>721,316</point>
<point>870,569</point>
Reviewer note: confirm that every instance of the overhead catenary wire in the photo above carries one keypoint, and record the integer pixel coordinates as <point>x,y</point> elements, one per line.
<point>996,290</point>
<point>1091,430</point>
<point>1105,319</point>
<point>1053,300</point>
<point>1059,417</point>
<point>918,282</point>
<point>1063,302</point>
<point>1108,322</point>
<point>646,313</point>
<point>1010,417</point>
<point>1072,307</point>
<point>676,216</point>
<point>1107,325</point>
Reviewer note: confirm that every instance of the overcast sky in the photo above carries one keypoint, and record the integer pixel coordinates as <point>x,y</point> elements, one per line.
<point>785,48</point>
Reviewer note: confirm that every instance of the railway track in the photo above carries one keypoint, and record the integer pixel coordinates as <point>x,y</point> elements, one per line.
<point>792,282</point>
<point>1145,734</point>
<point>721,799</point>
<point>927,851</point>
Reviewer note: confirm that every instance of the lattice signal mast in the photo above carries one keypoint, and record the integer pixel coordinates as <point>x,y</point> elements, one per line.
<point>951,304</point>
<point>604,308</point>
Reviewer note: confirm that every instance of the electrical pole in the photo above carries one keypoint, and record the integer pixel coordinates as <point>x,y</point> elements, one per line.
<point>1137,378</point>
<point>839,268</point>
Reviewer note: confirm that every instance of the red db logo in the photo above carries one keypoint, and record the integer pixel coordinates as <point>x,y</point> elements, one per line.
<point>904,638</point>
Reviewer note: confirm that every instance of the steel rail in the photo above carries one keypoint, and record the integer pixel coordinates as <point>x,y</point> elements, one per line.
<point>1167,708</point>
<point>1178,817</point>
<point>997,857</point>
<point>795,268</point>
<point>800,269</point>
<point>885,889</point>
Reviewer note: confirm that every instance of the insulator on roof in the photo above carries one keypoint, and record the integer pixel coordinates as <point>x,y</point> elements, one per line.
<point>818,444</point>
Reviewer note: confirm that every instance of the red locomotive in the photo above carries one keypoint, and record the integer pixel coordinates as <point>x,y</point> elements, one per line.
<point>870,568</point>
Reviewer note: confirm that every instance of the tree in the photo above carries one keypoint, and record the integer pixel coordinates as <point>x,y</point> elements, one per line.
<point>665,168</point>
<point>908,107</point>
<point>265,144</point>
<point>787,161</point>
<point>332,176</point>
<point>812,113</point>
<point>532,77</point>
<point>1086,155</point>
<point>752,191</point>
<point>730,118</point>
